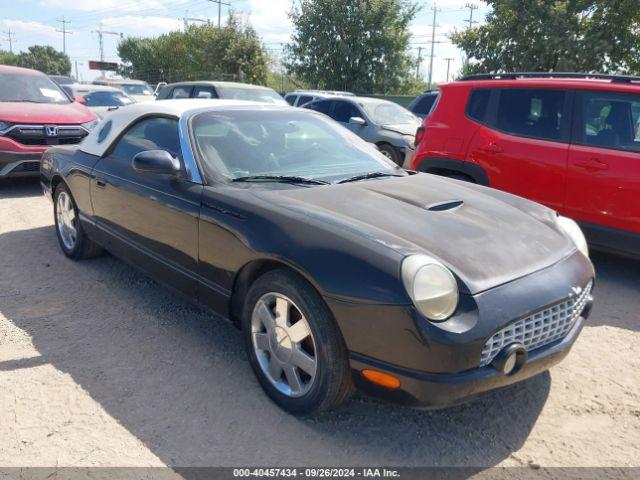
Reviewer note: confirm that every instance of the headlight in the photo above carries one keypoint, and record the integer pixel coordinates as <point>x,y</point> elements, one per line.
<point>91,125</point>
<point>431,286</point>
<point>574,232</point>
<point>410,139</point>
<point>4,126</point>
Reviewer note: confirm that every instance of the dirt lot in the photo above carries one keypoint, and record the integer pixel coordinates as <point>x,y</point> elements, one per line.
<point>100,366</point>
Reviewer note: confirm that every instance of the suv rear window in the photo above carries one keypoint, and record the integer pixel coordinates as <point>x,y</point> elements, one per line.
<point>478,104</point>
<point>611,120</point>
<point>531,112</point>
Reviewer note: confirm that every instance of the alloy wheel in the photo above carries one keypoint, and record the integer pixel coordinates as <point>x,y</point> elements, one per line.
<point>284,344</point>
<point>66,220</point>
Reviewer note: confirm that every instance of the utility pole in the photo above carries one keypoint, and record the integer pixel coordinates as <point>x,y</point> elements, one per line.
<point>10,39</point>
<point>64,32</point>
<point>220,3</point>
<point>77,79</point>
<point>101,42</point>
<point>471,8</point>
<point>418,63</point>
<point>433,42</point>
<point>448,60</point>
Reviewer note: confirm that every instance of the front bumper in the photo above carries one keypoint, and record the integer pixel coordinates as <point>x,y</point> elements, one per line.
<point>14,164</point>
<point>425,390</point>
<point>439,363</point>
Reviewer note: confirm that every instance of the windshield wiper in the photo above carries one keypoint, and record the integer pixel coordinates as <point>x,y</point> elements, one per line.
<point>280,178</point>
<point>365,176</point>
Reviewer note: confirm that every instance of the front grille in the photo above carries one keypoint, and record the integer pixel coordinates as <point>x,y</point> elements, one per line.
<point>31,166</point>
<point>538,329</point>
<point>35,135</point>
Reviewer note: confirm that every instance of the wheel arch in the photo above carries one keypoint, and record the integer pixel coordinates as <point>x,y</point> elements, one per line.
<point>441,166</point>
<point>250,272</point>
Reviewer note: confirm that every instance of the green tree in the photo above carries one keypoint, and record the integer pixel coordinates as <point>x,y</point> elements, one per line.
<point>554,35</point>
<point>203,52</point>
<point>359,45</point>
<point>44,58</point>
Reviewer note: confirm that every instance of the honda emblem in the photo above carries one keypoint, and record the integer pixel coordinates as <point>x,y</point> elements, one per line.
<point>51,130</point>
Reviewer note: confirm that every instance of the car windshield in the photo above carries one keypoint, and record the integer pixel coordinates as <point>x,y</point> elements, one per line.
<point>136,89</point>
<point>248,143</point>
<point>264,95</point>
<point>106,99</point>
<point>20,87</point>
<point>383,112</point>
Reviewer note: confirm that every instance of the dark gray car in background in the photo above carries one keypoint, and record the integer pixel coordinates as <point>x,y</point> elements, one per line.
<point>388,125</point>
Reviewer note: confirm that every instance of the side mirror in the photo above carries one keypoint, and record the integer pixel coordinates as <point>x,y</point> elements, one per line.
<point>357,121</point>
<point>79,99</point>
<point>156,161</point>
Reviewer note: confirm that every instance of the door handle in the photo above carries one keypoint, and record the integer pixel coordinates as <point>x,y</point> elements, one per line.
<point>100,183</point>
<point>592,164</point>
<point>492,147</point>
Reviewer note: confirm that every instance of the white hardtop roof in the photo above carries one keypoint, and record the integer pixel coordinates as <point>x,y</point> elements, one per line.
<point>122,117</point>
<point>89,87</point>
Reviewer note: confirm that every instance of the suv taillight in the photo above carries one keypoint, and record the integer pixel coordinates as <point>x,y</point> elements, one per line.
<point>419,135</point>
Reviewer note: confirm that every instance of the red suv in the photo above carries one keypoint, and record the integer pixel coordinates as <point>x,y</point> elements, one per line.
<point>569,141</point>
<point>35,114</point>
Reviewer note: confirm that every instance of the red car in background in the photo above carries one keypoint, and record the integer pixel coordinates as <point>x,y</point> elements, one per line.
<point>569,141</point>
<point>34,115</point>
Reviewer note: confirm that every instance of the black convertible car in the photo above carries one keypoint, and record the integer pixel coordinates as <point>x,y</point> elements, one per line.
<point>342,269</point>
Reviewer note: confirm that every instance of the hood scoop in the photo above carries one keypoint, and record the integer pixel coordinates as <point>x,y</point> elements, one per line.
<point>444,206</point>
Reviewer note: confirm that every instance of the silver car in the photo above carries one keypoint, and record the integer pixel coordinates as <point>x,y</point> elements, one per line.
<point>388,125</point>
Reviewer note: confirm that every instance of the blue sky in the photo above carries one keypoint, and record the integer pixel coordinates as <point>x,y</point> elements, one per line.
<point>34,22</point>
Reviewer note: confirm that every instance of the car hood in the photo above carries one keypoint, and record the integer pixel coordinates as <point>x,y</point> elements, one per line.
<point>485,237</point>
<point>25,112</point>
<point>402,128</point>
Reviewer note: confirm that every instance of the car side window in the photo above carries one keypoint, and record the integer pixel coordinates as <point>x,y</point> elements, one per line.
<point>611,120</point>
<point>291,99</point>
<point>156,133</point>
<point>204,92</point>
<point>323,106</point>
<point>530,112</point>
<point>343,111</point>
<point>478,104</point>
<point>304,99</point>
<point>424,104</point>
<point>181,92</point>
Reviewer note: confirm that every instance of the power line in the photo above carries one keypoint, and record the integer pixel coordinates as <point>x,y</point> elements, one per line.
<point>448,60</point>
<point>220,3</point>
<point>10,39</point>
<point>64,32</point>
<point>433,42</point>
<point>471,8</point>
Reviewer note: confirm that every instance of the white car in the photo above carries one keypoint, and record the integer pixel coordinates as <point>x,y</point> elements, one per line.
<point>137,89</point>
<point>299,98</point>
<point>98,98</point>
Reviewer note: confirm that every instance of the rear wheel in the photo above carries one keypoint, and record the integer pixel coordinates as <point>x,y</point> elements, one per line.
<point>294,346</point>
<point>74,242</point>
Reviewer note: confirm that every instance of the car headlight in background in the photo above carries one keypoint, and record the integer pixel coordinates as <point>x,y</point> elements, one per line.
<point>92,124</point>
<point>4,126</point>
<point>431,286</point>
<point>410,140</point>
<point>574,232</point>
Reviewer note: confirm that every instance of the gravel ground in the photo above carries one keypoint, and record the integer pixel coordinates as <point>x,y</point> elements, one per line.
<point>99,366</point>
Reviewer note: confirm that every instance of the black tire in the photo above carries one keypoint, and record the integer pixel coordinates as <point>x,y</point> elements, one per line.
<point>332,384</point>
<point>391,152</point>
<point>83,247</point>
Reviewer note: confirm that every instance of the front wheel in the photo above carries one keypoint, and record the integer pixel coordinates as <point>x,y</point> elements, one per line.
<point>74,242</point>
<point>294,346</point>
<point>391,153</point>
